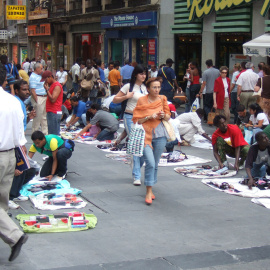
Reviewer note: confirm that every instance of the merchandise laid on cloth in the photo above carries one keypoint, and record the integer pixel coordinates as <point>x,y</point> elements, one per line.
<point>112,148</point>
<point>201,142</point>
<point>53,201</point>
<point>204,171</point>
<point>125,158</point>
<point>262,201</point>
<point>237,186</point>
<point>34,188</point>
<point>65,222</point>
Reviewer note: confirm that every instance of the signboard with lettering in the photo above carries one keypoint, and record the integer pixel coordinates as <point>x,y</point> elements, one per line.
<point>39,30</point>
<point>16,12</point>
<point>129,20</point>
<point>151,52</point>
<point>86,39</point>
<point>38,13</point>
<point>199,8</point>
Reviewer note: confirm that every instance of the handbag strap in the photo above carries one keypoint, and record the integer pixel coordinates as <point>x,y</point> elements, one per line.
<point>162,69</point>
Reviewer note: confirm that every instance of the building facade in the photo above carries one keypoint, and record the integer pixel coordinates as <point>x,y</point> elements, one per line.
<point>216,30</point>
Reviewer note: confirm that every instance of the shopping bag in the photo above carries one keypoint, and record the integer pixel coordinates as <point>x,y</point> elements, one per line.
<point>136,139</point>
<point>195,105</point>
<point>248,135</point>
<point>210,117</point>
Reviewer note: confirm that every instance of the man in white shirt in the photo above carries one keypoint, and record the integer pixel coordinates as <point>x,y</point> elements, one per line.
<point>246,83</point>
<point>189,124</point>
<point>11,136</point>
<point>74,73</point>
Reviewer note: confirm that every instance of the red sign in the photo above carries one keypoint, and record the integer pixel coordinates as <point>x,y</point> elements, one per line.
<point>86,39</point>
<point>39,30</point>
<point>100,39</point>
<point>152,47</point>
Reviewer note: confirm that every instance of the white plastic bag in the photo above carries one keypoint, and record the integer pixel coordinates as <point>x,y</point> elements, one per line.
<point>248,135</point>
<point>195,105</point>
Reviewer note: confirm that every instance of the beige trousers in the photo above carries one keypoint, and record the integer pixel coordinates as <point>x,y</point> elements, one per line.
<point>187,131</point>
<point>226,110</point>
<point>9,231</point>
<point>247,98</point>
<point>41,116</point>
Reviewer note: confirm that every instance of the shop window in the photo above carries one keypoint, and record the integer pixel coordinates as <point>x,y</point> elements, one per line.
<point>227,45</point>
<point>188,49</point>
<point>142,52</point>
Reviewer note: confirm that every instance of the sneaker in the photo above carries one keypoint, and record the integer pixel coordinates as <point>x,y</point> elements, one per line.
<point>13,205</point>
<point>137,182</point>
<point>241,167</point>
<point>44,158</point>
<point>21,199</point>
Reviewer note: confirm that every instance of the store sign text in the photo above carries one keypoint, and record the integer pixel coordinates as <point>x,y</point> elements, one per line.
<point>198,8</point>
<point>16,12</point>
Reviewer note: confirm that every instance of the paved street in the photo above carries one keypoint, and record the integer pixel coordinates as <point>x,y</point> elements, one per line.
<point>188,226</point>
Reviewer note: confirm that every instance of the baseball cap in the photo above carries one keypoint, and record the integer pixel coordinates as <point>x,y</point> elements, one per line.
<point>169,60</point>
<point>45,75</point>
<point>88,104</point>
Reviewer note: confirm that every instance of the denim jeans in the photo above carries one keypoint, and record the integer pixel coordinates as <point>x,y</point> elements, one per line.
<point>234,104</point>
<point>170,145</point>
<point>53,120</point>
<point>63,154</point>
<point>137,161</point>
<point>152,157</point>
<point>19,181</point>
<point>83,117</point>
<point>187,105</point>
<point>75,86</point>
<point>105,135</point>
<point>258,170</point>
<point>194,90</point>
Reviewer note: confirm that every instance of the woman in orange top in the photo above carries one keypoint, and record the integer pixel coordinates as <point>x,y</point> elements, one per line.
<point>150,111</point>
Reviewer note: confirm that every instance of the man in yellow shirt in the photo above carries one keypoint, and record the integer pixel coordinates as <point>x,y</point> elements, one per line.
<point>115,79</point>
<point>22,73</point>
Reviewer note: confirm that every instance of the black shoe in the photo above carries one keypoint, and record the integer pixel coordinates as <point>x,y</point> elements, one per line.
<point>16,249</point>
<point>9,214</point>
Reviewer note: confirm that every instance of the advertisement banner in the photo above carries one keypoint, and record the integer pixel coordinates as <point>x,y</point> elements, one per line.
<point>15,12</point>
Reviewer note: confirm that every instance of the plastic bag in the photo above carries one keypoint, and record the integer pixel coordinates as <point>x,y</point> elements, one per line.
<point>195,105</point>
<point>248,135</point>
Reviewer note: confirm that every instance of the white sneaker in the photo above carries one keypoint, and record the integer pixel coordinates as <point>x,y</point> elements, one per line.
<point>12,205</point>
<point>21,199</point>
<point>137,182</point>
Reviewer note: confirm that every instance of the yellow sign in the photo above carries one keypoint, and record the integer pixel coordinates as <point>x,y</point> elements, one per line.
<point>16,12</point>
<point>198,8</point>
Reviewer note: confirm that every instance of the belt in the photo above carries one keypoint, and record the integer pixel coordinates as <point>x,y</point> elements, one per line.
<point>6,150</point>
<point>42,95</point>
<point>247,91</point>
<point>128,113</point>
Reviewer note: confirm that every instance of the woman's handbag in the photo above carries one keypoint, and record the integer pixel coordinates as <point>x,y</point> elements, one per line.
<point>170,130</point>
<point>210,118</point>
<point>259,93</point>
<point>136,139</point>
<point>181,96</point>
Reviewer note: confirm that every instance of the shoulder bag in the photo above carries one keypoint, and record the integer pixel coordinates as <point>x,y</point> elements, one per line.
<point>259,93</point>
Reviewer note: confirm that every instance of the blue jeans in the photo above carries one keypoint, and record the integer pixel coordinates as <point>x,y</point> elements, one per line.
<point>170,145</point>
<point>75,86</point>
<point>187,105</point>
<point>258,170</point>
<point>63,154</point>
<point>53,120</point>
<point>83,117</point>
<point>152,157</point>
<point>105,135</point>
<point>137,161</point>
<point>234,105</point>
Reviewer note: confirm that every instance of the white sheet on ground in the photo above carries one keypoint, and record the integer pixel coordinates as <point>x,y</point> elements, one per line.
<point>201,142</point>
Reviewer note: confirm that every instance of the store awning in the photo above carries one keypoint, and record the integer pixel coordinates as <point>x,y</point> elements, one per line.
<point>259,46</point>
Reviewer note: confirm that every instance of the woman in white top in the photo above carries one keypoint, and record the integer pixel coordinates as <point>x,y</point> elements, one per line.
<point>61,77</point>
<point>129,95</point>
<point>258,119</point>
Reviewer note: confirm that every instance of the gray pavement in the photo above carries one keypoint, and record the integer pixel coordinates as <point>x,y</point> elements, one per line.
<point>189,225</point>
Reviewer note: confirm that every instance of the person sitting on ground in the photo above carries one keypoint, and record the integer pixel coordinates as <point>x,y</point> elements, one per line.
<point>228,140</point>
<point>174,105</point>
<point>107,123</point>
<point>190,124</point>
<point>258,119</point>
<point>258,158</point>
<point>58,150</point>
<point>78,110</point>
<point>243,115</point>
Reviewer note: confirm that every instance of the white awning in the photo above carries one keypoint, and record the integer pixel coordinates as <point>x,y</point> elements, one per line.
<point>259,46</point>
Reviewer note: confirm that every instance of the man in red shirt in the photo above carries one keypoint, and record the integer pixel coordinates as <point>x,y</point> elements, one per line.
<point>228,140</point>
<point>54,102</point>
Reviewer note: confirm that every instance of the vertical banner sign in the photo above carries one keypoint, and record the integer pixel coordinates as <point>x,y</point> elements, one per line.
<point>86,39</point>
<point>15,12</point>
<point>152,51</point>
